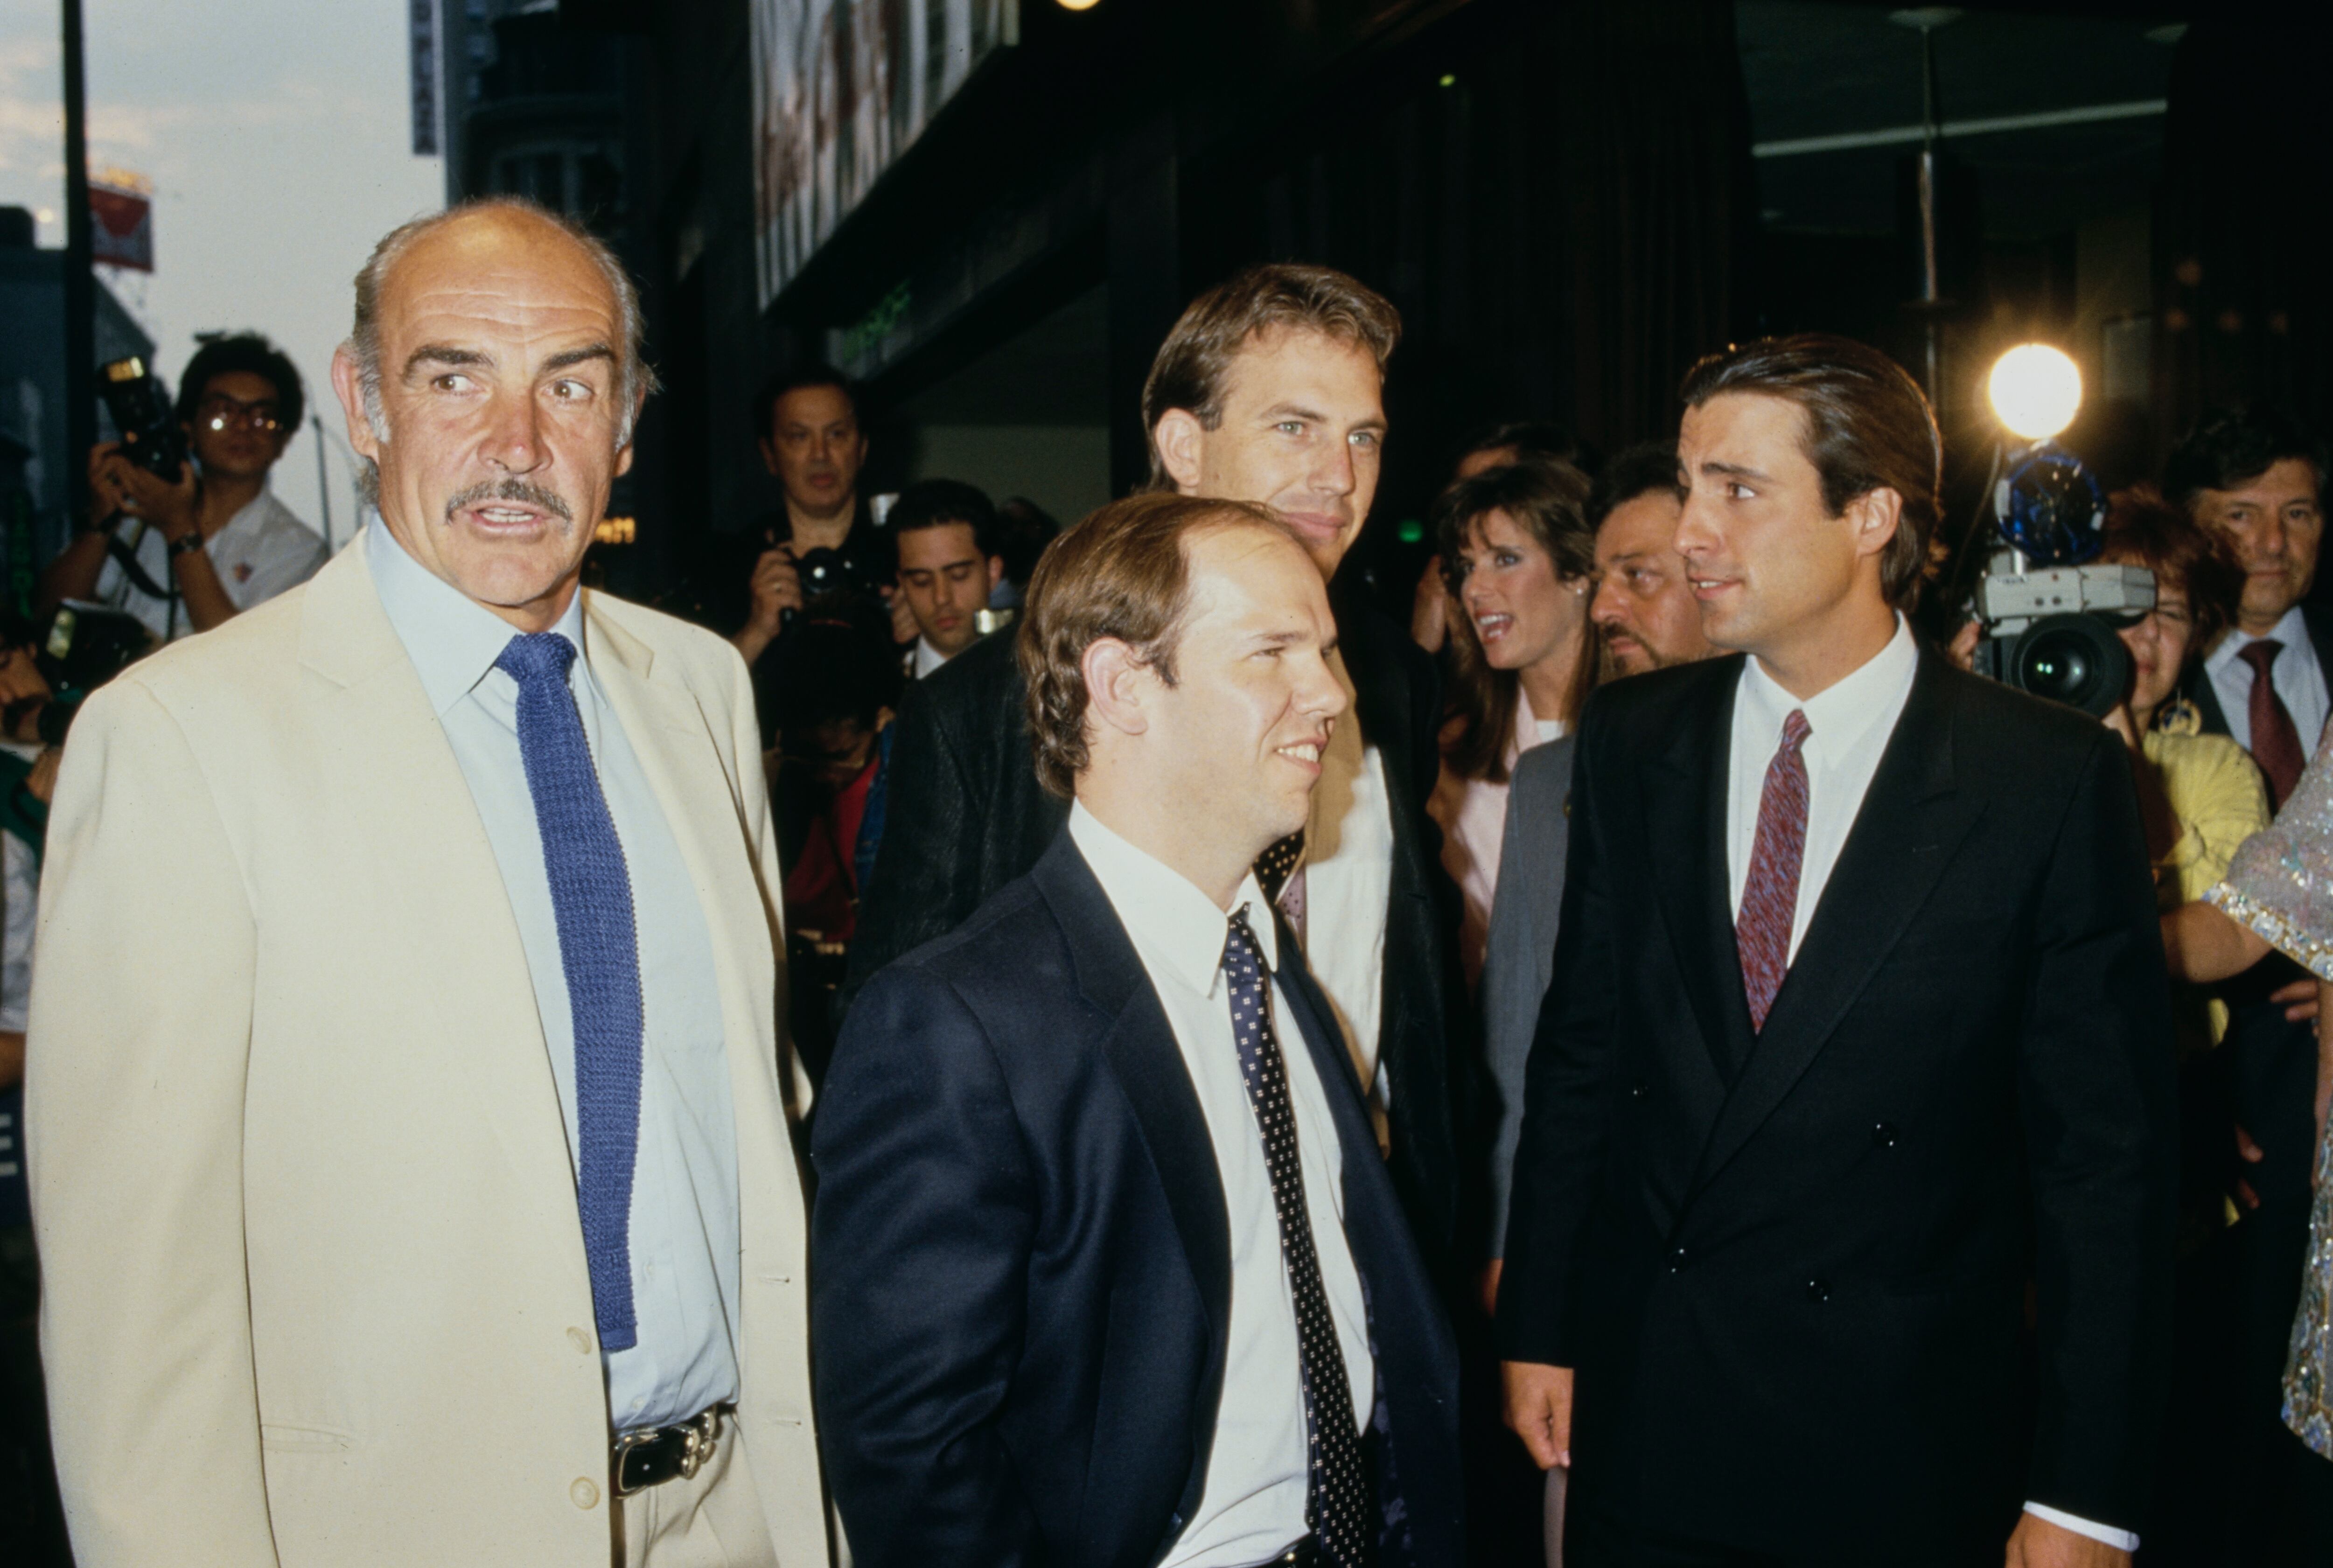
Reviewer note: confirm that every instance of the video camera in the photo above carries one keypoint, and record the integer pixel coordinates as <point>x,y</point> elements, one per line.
<point>2051,621</point>
<point>141,411</point>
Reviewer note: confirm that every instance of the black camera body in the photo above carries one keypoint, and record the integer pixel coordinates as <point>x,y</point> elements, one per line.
<point>826,570</point>
<point>141,411</point>
<point>86,646</point>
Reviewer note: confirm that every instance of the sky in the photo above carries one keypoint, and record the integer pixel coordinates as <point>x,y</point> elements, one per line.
<point>278,136</point>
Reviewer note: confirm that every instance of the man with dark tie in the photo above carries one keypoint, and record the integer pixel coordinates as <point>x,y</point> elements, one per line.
<point>1856,1029</point>
<point>1268,388</point>
<point>409,1153</point>
<point>1107,1269</point>
<point>2256,477</point>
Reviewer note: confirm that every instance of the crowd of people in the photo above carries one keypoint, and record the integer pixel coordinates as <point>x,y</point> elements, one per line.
<point>1001,1043</point>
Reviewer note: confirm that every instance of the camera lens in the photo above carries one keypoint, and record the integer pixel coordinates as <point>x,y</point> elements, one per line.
<point>2073,659</point>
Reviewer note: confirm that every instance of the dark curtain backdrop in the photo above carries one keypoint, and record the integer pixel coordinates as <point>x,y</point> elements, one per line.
<point>1560,199</point>
<point>2244,231</point>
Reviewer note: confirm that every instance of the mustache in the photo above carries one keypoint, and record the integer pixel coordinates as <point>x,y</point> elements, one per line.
<point>511,489</point>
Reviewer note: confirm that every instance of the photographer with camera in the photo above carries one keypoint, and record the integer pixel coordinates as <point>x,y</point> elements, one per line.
<point>823,540</point>
<point>186,547</point>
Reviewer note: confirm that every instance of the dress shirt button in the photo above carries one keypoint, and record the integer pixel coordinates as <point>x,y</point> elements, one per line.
<point>1677,1258</point>
<point>583,1494</point>
<point>1818,1289</point>
<point>579,1339</point>
<point>1882,1135</point>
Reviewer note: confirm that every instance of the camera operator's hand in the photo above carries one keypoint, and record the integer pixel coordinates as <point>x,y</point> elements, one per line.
<point>43,779</point>
<point>174,508</point>
<point>776,588</point>
<point>904,629</point>
<point>1962,649</point>
<point>106,497</point>
<point>21,680</point>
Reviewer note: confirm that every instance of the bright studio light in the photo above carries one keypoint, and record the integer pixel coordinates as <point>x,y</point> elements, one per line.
<point>1076,4</point>
<point>2036,390</point>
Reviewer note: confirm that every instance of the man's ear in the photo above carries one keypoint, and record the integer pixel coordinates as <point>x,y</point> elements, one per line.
<point>1118,686</point>
<point>995,571</point>
<point>1877,514</point>
<point>348,382</point>
<point>769,455</point>
<point>1180,439</point>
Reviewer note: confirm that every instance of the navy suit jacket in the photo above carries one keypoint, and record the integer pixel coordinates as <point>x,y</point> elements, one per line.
<point>1021,1257</point>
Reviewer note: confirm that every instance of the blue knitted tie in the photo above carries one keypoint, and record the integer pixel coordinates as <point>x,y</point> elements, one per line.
<point>598,949</point>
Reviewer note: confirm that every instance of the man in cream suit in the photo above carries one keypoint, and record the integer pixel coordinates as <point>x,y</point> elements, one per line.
<point>409,1156</point>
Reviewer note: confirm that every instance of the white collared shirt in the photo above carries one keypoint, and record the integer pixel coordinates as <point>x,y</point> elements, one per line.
<point>927,658</point>
<point>1252,1503</point>
<point>685,1240</point>
<point>1848,726</point>
<point>2299,680</point>
<point>262,550</point>
<point>1348,871</point>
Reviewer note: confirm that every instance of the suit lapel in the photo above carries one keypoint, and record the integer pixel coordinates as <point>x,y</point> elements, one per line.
<point>1139,1046</point>
<point>1910,821</point>
<point>1684,807</point>
<point>386,760</point>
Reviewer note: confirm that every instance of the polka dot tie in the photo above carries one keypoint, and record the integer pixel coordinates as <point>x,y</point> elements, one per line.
<point>1274,865</point>
<point>1336,1493</point>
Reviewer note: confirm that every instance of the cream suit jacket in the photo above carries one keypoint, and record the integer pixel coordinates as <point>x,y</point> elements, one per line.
<point>315,1285</point>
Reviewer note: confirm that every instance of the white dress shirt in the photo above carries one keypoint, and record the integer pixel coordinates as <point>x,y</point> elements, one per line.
<point>262,550</point>
<point>1251,1506</point>
<point>2299,680</point>
<point>685,1240</point>
<point>1347,880</point>
<point>927,658</point>
<point>1848,726</point>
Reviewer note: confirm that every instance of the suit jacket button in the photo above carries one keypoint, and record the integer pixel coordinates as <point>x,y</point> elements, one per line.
<point>1677,1258</point>
<point>583,1494</point>
<point>1882,1135</point>
<point>1638,1090</point>
<point>1817,1290</point>
<point>579,1339</point>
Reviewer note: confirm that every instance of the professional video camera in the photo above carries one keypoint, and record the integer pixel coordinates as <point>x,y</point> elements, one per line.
<point>2050,621</point>
<point>151,435</point>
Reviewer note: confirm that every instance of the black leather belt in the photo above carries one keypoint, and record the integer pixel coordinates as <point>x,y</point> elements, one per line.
<point>654,1455</point>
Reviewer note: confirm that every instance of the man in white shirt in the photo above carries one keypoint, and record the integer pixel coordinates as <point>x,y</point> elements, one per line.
<point>184,555</point>
<point>1856,1025</point>
<point>1107,1268</point>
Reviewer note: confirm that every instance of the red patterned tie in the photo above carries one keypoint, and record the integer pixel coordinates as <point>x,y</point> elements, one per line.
<point>1769,899</point>
<point>2276,741</point>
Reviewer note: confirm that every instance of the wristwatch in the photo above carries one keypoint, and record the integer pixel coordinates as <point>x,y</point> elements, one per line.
<point>187,542</point>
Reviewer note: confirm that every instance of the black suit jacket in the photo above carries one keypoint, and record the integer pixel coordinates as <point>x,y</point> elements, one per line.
<point>966,816</point>
<point>1021,1257</point>
<point>1795,1299</point>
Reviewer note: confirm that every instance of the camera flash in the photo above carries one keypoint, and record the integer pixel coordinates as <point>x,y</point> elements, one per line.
<point>2036,390</point>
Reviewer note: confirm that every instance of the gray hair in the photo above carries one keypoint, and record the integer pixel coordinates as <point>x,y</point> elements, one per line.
<point>634,378</point>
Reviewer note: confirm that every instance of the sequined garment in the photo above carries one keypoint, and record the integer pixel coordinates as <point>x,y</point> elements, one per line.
<point>2281,885</point>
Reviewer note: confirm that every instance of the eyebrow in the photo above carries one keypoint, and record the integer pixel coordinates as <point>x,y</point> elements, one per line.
<point>1738,470</point>
<point>570,358</point>
<point>444,354</point>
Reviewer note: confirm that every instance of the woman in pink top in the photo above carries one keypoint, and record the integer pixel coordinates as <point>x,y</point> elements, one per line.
<point>1519,559</point>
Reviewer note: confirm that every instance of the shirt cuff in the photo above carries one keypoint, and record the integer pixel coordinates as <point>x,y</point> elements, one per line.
<point>2123,1540</point>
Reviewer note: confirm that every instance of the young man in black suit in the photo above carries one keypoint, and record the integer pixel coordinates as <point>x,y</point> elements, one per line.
<point>1269,390</point>
<point>1107,1268</point>
<point>1857,1026</point>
